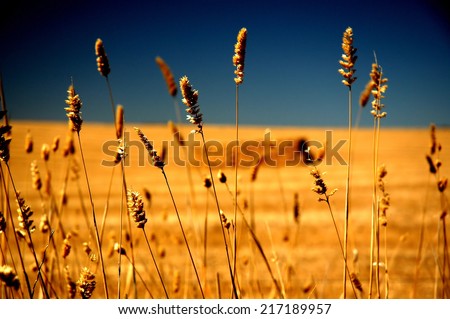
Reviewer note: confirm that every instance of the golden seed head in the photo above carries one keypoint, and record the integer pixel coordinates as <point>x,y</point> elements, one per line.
<point>167,75</point>
<point>45,152</point>
<point>136,208</point>
<point>9,277</point>
<point>225,222</point>
<point>55,144</point>
<point>239,56</point>
<point>176,281</point>
<point>28,143</point>
<point>119,121</point>
<point>156,159</point>
<point>73,110</point>
<point>178,137</point>
<point>255,170</point>
<point>71,285</point>
<point>36,176</point>
<point>119,249</point>
<point>24,215</point>
<point>86,283</point>
<point>221,176</point>
<point>66,246</point>
<point>5,140</point>
<point>207,182</point>
<point>190,99</point>
<point>102,59</point>
<point>431,165</point>
<point>379,87</point>
<point>442,184</point>
<point>433,146</point>
<point>44,225</point>
<point>348,58</point>
<point>2,222</point>
<point>296,208</point>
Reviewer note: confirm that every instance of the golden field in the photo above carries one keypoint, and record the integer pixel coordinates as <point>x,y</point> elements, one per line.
<point>304,255</point>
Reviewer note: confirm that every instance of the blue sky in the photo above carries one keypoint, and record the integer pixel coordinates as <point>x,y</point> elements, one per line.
<point>291,65</point>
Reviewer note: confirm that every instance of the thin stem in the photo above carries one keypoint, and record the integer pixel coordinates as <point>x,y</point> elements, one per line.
<point>347,190</point>
<point>155,263</point>
<point>8,204</point>
<point>258,245</point>
<point>94,218</point>
<point>236,166</point>
<point>220,218</point>
<point>327,200</point>
<point>184,234</point>
<point>31,245</point>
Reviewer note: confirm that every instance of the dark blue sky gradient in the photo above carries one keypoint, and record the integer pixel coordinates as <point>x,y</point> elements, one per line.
<point>291,65</point>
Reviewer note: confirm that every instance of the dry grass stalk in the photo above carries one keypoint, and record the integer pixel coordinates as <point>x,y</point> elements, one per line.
<point>45,152</point>
<point>348,70</point>
<point>167,75</point>
<point>190,99</point>
<point>136,210</point>
<point>379,87</point>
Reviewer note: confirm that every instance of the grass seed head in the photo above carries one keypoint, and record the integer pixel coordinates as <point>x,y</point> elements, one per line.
<point>136,208</point>
<point>348,58</point>
<point>86,283</point>
<point>156,159</point>
<point>9,277</point>
<point>28,143</point>
<point>73,110</point>
<point>167,75</point>
<point>190,99</point>
<point>36,176</point>
<point>239,56</point>
<point>102,58</point>
<point>119,121</point>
